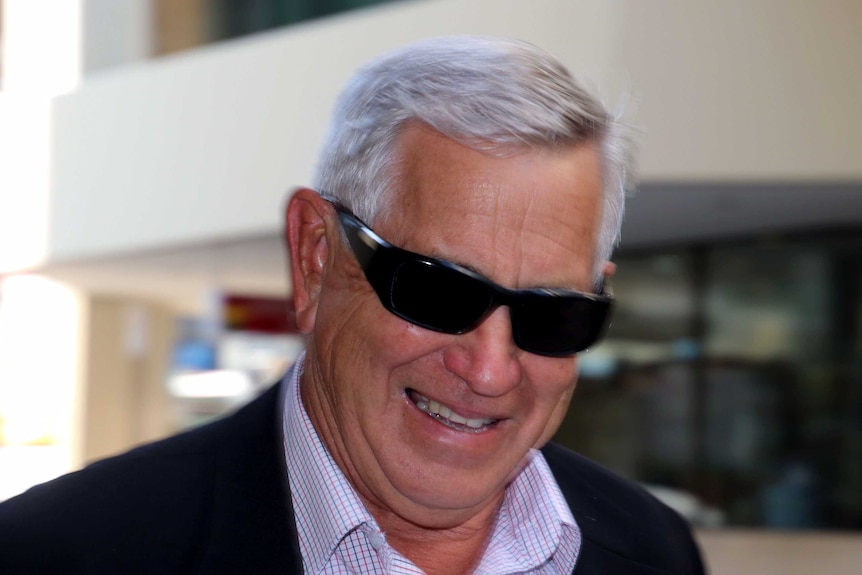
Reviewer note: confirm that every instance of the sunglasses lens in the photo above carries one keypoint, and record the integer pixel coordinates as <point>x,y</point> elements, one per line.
<point>558,326</point>
<point>434,295</point>
<point>438,298</point>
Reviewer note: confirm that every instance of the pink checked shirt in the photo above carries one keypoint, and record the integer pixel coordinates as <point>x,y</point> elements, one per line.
<point>535,532</point>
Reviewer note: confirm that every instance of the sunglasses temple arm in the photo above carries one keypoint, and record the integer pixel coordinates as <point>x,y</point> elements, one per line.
<point>363,251</point>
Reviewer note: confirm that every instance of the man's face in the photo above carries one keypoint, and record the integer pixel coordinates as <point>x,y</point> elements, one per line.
<point>526,220</point>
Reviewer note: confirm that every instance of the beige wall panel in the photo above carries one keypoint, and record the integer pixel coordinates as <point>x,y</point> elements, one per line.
<point>124,400</point>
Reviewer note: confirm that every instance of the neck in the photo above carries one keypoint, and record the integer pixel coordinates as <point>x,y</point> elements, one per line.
<point>452,550</point>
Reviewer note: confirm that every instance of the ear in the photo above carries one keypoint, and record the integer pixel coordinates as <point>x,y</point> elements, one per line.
<point>609,269</point>
<point>307,243</point>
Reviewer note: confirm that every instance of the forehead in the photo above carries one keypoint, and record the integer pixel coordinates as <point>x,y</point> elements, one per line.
<point>528,217</point>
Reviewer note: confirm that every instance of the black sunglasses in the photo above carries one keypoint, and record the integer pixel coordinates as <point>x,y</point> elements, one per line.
<point>445,297</point>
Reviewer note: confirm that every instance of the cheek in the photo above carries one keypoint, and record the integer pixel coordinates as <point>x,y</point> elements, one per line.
<point>555,394</point>
<point>361,337</point>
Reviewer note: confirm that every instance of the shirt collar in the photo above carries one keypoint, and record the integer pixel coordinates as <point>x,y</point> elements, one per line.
<point>534,524</point>
<point>325,504</point>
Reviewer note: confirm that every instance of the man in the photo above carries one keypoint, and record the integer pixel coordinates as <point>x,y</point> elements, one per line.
<point>447,268</point>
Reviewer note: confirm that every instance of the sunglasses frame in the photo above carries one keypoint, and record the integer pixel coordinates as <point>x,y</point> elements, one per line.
<point>380,261</point>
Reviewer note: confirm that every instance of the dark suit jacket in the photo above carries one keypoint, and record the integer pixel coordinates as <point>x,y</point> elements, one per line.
<point>215,501</point>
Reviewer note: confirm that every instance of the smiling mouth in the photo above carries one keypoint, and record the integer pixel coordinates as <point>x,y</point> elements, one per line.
<point>447,417</point>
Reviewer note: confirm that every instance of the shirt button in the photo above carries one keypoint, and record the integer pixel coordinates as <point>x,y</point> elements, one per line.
<point>376,539</point>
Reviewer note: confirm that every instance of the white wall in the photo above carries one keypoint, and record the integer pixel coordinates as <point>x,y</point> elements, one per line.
<point>203,146</point>
<point>748,90</point>
<point>39,60</point>
<point>37,396</point>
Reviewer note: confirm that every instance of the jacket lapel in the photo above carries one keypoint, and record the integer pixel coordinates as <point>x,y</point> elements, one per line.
<point>597,560</point>
<point>252,524</point>
<point>611,537</point>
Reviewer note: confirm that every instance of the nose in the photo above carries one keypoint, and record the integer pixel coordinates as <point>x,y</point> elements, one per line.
<point>487,358</point>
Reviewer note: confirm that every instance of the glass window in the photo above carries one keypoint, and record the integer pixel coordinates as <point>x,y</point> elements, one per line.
<point>184,25</point>
<point>730,382</point>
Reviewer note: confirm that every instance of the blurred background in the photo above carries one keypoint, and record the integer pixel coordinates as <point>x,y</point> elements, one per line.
<point>147,148</point>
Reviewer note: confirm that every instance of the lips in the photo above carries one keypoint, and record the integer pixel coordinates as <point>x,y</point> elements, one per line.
<point>447,416</point>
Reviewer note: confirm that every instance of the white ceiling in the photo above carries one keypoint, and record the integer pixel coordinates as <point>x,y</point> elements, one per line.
<point>184,278</point>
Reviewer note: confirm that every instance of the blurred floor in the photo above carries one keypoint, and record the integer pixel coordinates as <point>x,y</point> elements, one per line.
<point>742,552</point>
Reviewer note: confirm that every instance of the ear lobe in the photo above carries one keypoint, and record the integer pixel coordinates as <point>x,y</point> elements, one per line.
<point>307,243</point>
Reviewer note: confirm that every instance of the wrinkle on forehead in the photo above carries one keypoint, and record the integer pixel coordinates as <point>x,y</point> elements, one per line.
<point>545,247</point>
<point>527,220</point>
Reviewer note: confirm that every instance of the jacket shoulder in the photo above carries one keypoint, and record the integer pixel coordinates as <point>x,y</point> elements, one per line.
<point>620,520</point>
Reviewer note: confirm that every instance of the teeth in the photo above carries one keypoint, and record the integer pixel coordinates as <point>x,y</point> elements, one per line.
<point>454,417</point>
<point>445,414</point>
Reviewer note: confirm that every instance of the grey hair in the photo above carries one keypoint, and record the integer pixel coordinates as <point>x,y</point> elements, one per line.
<point>490,94</point>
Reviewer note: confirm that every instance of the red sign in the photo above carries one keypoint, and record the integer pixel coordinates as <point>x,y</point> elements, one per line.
<point>259,314</point>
